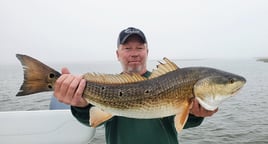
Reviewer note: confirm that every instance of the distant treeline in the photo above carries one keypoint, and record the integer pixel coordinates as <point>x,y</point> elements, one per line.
<point>263,59</point>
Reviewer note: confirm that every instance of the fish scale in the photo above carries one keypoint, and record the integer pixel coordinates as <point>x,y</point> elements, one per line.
<point>162,91</point>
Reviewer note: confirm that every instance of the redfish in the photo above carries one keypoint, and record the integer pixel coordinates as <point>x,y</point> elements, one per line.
<point>168,91</point>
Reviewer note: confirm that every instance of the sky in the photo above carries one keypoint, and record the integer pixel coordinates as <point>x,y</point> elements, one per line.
<point>87,30</point>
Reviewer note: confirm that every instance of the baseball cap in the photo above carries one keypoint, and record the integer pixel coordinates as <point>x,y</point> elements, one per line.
<point>124,34</point>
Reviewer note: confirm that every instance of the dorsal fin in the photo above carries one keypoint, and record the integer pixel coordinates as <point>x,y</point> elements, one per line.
<point>114,78</point>
<point>163,68</point>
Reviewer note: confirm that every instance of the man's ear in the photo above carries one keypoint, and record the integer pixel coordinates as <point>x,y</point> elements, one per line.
<point>117,54</point>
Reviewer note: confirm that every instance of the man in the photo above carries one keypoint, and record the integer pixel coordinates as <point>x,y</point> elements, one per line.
<point>132,53</point>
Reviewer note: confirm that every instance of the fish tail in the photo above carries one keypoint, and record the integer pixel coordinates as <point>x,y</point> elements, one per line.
<point>38,77</point>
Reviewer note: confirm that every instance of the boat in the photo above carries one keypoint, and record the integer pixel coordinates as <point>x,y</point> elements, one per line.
<point>53,126</point>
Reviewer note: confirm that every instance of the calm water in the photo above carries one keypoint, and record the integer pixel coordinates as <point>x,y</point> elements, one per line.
<point>241,119</point>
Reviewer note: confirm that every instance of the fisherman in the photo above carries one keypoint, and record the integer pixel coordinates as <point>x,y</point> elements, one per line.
<point>132,53</point>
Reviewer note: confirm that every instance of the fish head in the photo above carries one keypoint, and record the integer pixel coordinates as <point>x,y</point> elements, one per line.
<point>211,91</point>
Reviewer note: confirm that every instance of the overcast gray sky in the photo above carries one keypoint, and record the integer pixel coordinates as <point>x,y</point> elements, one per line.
<point>87,30</point>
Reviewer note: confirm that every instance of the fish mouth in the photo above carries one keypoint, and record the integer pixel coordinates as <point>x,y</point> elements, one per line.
<point>236,91</point>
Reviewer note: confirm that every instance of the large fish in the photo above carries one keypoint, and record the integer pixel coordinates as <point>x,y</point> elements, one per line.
<point>168,91</point>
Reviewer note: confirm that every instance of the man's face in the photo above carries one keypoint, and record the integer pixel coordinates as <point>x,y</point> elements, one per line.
<point>133,55</point>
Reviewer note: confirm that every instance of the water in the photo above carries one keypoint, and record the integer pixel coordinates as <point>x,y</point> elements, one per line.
<point>241,119</point>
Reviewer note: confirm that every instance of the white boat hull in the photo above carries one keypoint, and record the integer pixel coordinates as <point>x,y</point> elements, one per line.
<point>43,127</point>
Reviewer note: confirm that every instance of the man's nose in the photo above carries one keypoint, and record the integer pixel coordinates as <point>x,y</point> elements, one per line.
<point>134,53</point>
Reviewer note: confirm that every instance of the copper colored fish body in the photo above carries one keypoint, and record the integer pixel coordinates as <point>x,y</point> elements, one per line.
<point>168,91</point>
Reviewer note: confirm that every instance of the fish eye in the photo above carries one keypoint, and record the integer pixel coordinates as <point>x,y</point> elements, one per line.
<point>231,80</point>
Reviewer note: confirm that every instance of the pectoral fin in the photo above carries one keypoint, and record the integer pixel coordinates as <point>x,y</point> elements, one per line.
<point>97,116</point>
<point>181,118</point>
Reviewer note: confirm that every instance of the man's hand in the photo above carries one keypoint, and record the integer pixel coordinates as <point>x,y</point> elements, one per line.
<point>69,89</point>
<point>199,111</point>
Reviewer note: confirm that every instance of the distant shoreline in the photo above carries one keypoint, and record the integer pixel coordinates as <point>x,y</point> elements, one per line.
<point>263,60</point>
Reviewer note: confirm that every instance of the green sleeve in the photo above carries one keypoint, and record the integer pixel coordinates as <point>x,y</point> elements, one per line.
<point>193,121</point>
<point>81,114</point>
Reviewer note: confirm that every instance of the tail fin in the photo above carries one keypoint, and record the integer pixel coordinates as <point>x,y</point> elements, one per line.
<point>38,77</point>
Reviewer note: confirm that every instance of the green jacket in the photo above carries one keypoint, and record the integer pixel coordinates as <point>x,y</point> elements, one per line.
<point>122,130</point>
